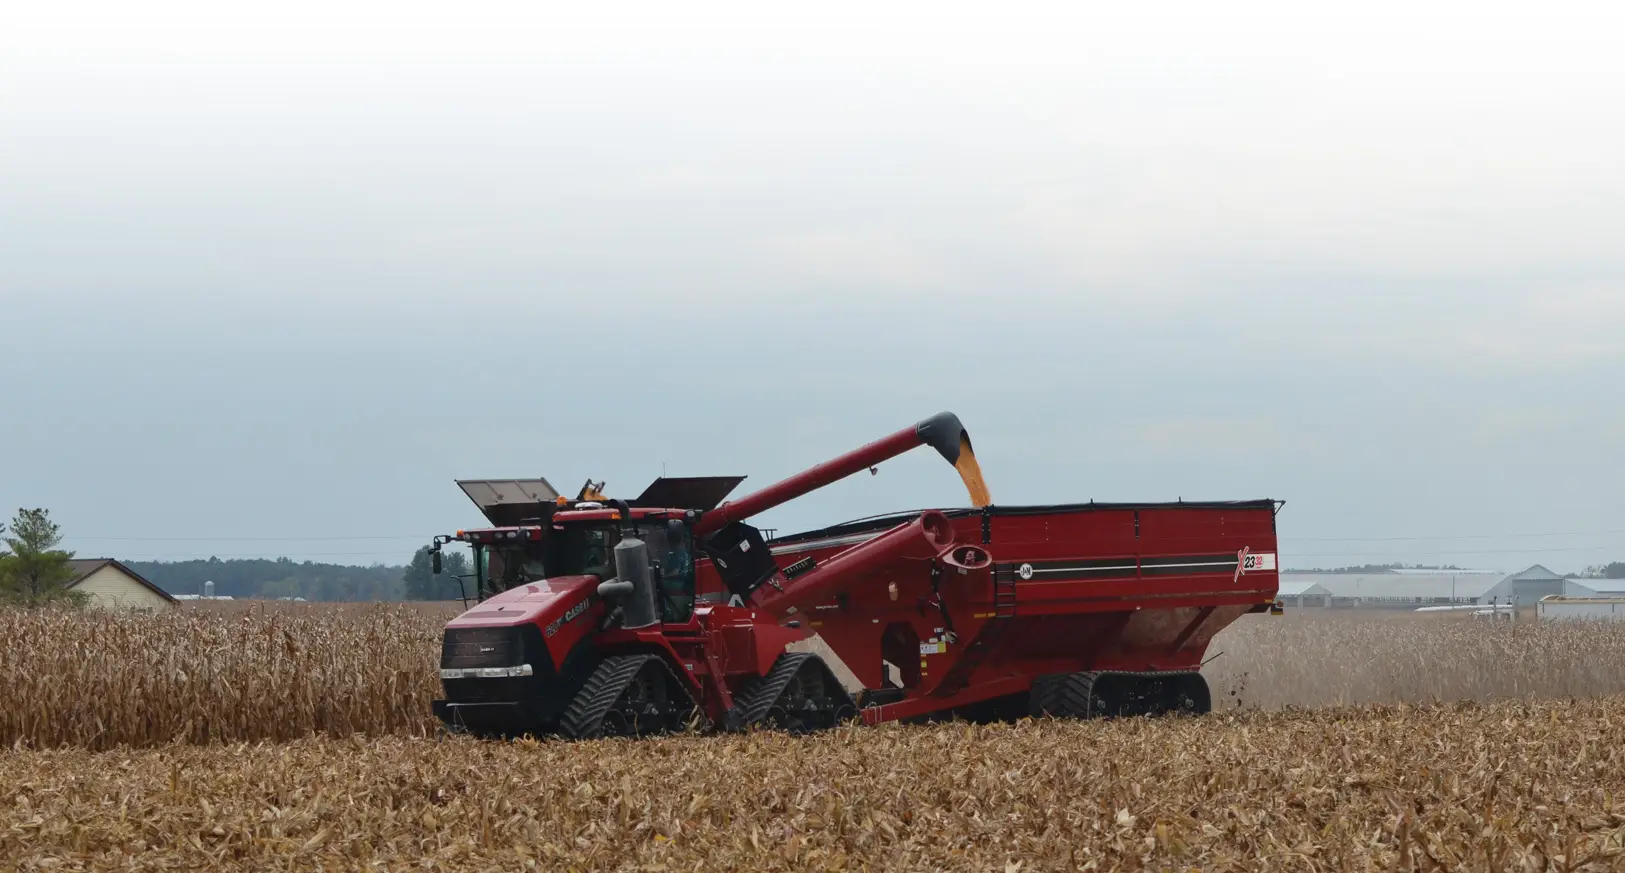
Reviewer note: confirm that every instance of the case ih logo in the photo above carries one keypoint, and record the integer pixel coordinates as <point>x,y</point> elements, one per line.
<point>569,616</point>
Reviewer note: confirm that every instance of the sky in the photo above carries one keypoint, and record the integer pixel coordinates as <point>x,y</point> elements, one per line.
<point>271,280</point>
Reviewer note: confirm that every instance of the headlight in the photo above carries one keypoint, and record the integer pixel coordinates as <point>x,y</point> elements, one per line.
<point>488,672</point>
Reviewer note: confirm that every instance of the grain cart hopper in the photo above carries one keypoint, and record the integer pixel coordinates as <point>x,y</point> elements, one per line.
<point>607,616</point>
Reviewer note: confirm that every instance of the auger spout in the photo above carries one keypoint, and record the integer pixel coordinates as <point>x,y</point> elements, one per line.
<point>942,432</point>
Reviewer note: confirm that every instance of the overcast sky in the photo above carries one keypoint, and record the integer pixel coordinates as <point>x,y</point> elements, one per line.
<point>270,283</point>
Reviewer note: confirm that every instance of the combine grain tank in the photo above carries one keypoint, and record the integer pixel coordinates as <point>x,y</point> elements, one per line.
<point>607,616</point>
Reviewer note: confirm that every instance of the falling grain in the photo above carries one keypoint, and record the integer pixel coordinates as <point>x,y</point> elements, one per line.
<point>970,472</point>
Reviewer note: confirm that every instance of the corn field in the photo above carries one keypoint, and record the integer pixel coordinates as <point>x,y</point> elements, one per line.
<point>1465,786</point>
<point>300,737</point>
<point>102,679</point>
<point>105,679</point>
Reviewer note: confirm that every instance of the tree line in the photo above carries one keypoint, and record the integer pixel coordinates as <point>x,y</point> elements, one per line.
<point>35,571</point>
<point>285,578</point>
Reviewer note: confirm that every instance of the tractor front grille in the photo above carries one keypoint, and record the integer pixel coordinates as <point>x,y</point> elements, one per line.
<point>481,647</point>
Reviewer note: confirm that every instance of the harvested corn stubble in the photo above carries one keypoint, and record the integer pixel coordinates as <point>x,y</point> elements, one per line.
<point>1465,786</point>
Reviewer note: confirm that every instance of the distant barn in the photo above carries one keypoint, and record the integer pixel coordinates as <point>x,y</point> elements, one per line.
<point>1415,588</point>
<point>112,585</point>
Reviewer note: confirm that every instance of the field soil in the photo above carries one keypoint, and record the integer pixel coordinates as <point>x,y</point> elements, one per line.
<point>1465,786</point>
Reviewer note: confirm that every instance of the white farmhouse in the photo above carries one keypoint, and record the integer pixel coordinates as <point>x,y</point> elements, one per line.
<point>111,585</point>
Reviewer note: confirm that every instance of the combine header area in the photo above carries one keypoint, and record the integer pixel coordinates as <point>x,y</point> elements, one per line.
<point>600,616</point>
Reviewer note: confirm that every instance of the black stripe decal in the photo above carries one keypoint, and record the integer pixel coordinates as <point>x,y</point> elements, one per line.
<point>1114,568</point>
<point>1055,571</point>
<point>1188,565</point>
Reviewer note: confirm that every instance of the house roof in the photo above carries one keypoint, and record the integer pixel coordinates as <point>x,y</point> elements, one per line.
<point>84,567</point>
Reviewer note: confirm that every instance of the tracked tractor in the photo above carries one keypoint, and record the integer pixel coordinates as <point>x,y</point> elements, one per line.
<point>603,616</point>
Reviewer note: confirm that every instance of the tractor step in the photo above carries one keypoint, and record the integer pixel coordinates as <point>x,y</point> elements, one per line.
<point>880,696</point>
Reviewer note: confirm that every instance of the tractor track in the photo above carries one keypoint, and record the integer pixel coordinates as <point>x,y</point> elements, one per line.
<point>607,690</point>
<point>756,704</point>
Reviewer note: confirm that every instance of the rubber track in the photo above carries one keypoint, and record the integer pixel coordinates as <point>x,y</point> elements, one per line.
<point>1160,674</point>
<point>1071,695</point>
<point>755,701</point>
<point>584,719</point>
<point>759,698</point>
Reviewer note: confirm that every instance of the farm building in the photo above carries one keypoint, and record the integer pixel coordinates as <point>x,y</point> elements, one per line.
<point>1583,608</point>
<point>1301,593</point>
<point>1588,588</point>
<point>112,585</point>
<point>1413,588</point>
<point>1532,584</point>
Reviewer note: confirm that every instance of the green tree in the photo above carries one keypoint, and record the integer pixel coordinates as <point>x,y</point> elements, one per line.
<point>1615,570</point>
<point>36,571</point>
<point>421,582</point>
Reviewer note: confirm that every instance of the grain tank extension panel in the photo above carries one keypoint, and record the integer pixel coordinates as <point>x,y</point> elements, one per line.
<point>508,502</point>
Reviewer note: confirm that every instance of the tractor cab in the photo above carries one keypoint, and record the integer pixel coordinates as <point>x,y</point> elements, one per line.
<point>571,545</point>
<point>539,534</point>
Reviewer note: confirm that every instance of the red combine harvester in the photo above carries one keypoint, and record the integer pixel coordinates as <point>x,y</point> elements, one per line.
<point>599,616</point>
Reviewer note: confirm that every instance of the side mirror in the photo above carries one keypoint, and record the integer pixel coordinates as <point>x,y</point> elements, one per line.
<point>434,561</point>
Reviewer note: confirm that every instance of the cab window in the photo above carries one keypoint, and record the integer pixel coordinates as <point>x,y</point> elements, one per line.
<point>676,557</point>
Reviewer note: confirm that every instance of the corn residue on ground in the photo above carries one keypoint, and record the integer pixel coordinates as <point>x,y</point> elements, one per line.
<point>1505,786</point>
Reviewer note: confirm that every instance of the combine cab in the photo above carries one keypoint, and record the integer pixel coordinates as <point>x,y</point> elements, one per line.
<point>602,616</point>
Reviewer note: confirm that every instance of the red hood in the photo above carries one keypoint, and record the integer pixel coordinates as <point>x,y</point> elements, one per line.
<point>527,603</point>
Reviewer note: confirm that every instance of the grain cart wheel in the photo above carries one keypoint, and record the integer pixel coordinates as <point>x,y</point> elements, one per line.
<point>1065,695</point>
